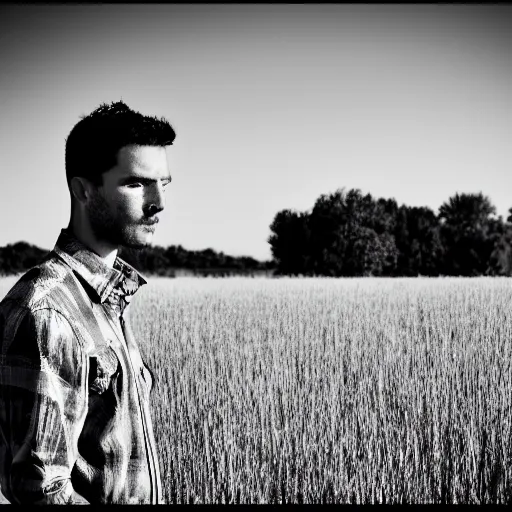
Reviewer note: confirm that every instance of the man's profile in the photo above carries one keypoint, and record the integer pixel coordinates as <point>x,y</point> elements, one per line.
<point>75,424</point>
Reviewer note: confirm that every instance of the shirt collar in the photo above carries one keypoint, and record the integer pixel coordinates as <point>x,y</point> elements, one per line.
<point>94,271</point>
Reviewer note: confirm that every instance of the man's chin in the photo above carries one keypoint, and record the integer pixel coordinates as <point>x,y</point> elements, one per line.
<point>137,246</point>
<point>136,241</point>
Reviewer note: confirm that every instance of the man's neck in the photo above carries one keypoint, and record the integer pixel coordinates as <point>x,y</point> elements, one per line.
<point>107,252</point>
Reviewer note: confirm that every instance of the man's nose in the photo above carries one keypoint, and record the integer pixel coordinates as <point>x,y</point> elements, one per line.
<point>156,198</point>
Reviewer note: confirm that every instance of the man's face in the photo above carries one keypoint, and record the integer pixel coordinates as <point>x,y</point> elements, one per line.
<point>123,210</point>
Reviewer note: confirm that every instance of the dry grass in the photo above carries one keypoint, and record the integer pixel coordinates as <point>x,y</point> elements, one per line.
<point>324,390</point>
<point>352,391</point>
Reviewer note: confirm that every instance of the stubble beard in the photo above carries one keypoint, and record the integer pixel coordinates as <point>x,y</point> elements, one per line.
<point>107,227</point>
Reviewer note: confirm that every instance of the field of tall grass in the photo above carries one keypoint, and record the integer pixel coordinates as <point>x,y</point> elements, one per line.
<point>324,390</point>
<point>330,390</point>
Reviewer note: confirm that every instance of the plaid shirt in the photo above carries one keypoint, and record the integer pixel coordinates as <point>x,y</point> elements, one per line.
<point>75,425</point>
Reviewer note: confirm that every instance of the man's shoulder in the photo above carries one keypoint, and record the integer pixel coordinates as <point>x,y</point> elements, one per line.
<point>46,296</point>
<point>41,286</point>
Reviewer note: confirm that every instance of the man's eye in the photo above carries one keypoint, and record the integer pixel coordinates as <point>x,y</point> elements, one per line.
<point>135,184</point>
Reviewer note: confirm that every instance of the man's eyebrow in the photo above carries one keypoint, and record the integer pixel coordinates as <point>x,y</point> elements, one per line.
<point>143,179</point>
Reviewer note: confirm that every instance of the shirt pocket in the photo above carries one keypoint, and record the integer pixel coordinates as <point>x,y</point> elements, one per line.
<point>102,367</point>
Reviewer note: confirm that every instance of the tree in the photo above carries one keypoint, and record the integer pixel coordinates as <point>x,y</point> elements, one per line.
<point>290,242</point>
<point>509,218</point>
<point>418,241</point>
<point>500,263</point>
<point>468,233</point>
<point>371,254</point>
<point>20,256</point>
<point>349,235</point>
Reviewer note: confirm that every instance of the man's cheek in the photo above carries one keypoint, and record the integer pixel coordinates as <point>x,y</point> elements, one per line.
<point>129,218</point>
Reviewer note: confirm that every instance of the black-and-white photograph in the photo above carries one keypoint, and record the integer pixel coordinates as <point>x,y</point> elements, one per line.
<point>255,253</point>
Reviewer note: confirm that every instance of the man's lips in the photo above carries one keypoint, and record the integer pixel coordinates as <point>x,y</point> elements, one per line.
<point>150,222</point>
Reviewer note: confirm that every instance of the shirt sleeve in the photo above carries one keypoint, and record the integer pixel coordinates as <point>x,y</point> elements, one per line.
<point>43,399</point>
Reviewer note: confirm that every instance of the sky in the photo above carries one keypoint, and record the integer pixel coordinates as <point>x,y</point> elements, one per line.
<point>273,105</point>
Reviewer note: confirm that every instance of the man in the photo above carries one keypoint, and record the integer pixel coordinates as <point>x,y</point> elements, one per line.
<point>75,423</point>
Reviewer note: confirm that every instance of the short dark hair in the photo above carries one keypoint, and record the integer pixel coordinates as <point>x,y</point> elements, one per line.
<point>93,143</point>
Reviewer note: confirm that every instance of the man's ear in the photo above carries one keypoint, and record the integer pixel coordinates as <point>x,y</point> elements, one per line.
<point>81,189</point>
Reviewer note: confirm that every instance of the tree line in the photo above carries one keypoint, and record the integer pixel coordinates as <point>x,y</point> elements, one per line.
<point>164,261</point>
<point>348,233</point>
<point>176,260</point>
